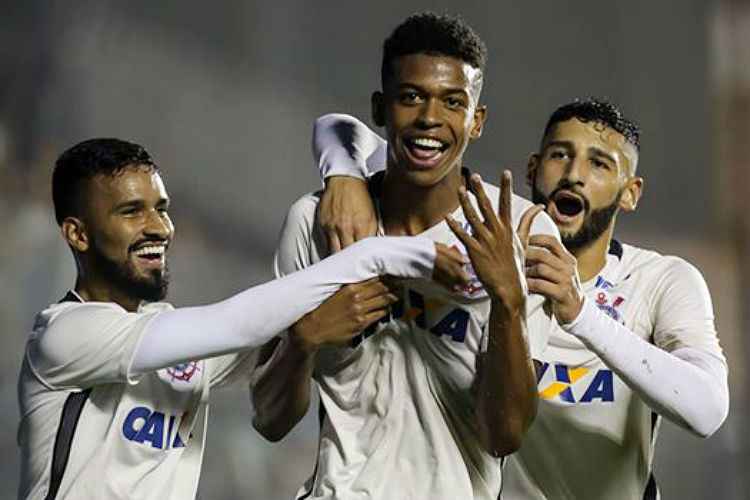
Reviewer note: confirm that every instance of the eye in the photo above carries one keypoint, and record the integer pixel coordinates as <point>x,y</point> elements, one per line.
<point>558,154</point>
<point>454,103</point>
<point>130,211</point>
<point>599,163</point>
<point>410,97</point>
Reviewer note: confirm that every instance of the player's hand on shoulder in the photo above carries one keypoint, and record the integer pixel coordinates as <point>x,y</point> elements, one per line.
<point>343,316</point>
<point>493,247</point>
<point>346,212</point>
<point>552,271</point>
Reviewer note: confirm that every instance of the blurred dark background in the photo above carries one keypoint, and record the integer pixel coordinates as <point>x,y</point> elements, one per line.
<point>223,94</point>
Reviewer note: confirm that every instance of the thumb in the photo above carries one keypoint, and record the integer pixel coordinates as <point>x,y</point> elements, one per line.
<point>524,226</point>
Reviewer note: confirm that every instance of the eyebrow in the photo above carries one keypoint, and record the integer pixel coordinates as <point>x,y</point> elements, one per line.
<point>447,91</point>
<point>138,203</point>
<point>601,152</point>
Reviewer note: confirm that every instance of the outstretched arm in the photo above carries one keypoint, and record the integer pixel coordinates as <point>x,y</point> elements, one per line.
<point>253,317</point>
<point>684,376</point>
<point>346,152</point>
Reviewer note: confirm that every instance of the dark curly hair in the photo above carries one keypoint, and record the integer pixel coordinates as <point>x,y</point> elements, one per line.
<point>592,109</point>
<point>85,160</point>
<point>430,33</point>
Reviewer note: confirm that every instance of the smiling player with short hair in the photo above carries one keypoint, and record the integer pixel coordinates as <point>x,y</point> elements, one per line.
<point>114,385</point>
<point>637,340</point>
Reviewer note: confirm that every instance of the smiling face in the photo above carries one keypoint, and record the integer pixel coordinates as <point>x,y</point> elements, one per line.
<point>124,231</point>
<point>430,111</point>
<point>584,175</point>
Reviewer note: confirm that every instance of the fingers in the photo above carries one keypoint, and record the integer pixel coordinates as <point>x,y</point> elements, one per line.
<point>488,213</point>
<point>334,244</point>
<point>449,267</point>
<point>479,229</point>
<point>462,235</point>
<point>524,226</point>
<point>381,301</point>
<point>547,273</point>
<point>506,193</point>
<point>346,237</point>
<point>546,288</point>
<point>553,245</point>
<point>365,290</point>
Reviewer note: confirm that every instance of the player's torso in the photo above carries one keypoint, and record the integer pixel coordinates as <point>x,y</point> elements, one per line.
<point>592,437</point>
<point>130,441</point>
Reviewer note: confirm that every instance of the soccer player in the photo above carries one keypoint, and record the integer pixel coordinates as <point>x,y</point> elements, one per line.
<point>637,339</point>
<point>422,404</point>
<point>114,385</point>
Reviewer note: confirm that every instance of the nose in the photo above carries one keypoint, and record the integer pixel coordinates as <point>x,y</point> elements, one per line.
<point>429,115</point>
<point>158,224</point>
<point>576,170</point>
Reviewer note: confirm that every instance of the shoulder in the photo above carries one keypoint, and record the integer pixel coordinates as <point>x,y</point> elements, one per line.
<point>304,207</point>
<point>663,273</point>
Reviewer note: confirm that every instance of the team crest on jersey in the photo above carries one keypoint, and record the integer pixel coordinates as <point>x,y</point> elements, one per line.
<point>474,288</point>
<point>184,371</point>
<point>606,302</point>
<point>570,385</point>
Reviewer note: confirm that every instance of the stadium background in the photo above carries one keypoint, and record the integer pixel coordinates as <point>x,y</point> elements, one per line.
<point>223,94</point>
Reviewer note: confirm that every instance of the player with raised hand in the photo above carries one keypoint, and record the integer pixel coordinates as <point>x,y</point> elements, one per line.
<point>637,339</point>
<point>422,404</point>
<point>114,385</point>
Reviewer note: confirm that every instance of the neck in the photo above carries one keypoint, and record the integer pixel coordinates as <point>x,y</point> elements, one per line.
<point>97,290</point>
<point>408,209</point>
<point>593,257</point>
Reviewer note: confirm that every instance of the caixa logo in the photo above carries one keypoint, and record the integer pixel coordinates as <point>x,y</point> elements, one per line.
<point>143,425</point>
<point>564,383</point>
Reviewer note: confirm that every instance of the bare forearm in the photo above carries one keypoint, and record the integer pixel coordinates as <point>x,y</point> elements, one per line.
<point>281,396</point>
<point>506,384</point>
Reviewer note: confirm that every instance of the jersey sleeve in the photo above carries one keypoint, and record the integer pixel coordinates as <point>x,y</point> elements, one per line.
<point>86,345</point>
<point>232,369</point>
<point>683,312</point>
<point>343,145</point>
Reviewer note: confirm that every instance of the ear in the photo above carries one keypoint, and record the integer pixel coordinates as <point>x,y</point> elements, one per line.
<point>74,231</point>
<point>531,169</point>
<point>377,101</point>
<point>480,116</point>
<point>631,194</point>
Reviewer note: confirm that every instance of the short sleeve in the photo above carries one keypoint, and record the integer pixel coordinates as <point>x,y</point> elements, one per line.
<point>683,311</point>
<point>86,345</point>
<point>232,369</point>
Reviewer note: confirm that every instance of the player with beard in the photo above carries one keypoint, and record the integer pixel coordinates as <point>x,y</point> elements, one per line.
<point>637,339</point>
<point>114,385</point>
<point>424,404</point>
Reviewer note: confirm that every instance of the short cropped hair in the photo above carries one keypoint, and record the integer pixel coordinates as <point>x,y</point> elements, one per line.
<point>593,109</point>
<point>433,34</point>
<point>103,156</point>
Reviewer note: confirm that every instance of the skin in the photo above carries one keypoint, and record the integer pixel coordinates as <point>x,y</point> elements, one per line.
<point>430,97</point>
<point>117,215</point>
<point>599,165</point>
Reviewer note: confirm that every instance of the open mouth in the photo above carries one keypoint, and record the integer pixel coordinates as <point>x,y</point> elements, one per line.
<point>568,204</point>
<point>425,151</point>
<point>151,254</point>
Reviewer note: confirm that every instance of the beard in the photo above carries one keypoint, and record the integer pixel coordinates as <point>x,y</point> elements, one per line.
<point>150,288</point>
<point>595,222</point>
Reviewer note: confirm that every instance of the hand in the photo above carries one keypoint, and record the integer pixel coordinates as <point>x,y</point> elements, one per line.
<point>553,272</point>
<point>346,212</point>
<point>343,316</point>
<point>493,252</point>
<point>449,267</point>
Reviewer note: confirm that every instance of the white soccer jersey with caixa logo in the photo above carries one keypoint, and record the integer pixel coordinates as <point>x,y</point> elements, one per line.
<point>593,437</point>
<point>88,430</point>
<point>398,414</point>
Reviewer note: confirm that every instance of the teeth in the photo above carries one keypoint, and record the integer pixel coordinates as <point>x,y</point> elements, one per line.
<point>150,250</point>
<point>427,143</point>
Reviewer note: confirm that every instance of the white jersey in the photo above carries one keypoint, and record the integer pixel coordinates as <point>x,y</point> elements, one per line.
<point>88,430</point>
<point>397,416</point>
<point>593,437</point>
